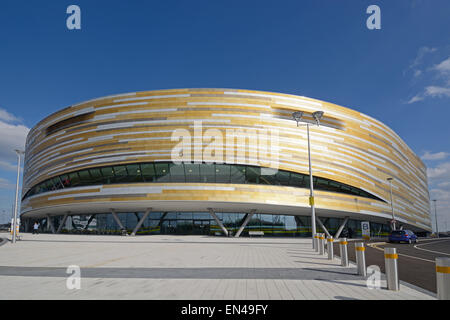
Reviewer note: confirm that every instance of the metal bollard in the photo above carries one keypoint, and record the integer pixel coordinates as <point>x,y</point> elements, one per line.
<point>343,251</point>
<point>390,262</point>
<point>443,278</point>
<point>330,247</point>
<point>316,242</point>
<point>360,258</point>
<point>321,244</point>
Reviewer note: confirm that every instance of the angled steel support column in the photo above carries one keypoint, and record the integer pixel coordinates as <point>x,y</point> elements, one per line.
<point>224,230</point>
<point>338,233</point>
<point>63,222</point>
<point>244,224</point>
<point>138,226</point>
<point>323,227</point>
<point>50,223</point>
<point>116,218</point>
<point>298,221</point>
<point>162,218</point>
<point>89,221</point>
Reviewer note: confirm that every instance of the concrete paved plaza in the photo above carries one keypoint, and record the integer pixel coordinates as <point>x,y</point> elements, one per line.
<point>181,267</point>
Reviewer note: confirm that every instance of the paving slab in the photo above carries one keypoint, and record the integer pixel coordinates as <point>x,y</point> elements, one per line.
<point>182,267</point>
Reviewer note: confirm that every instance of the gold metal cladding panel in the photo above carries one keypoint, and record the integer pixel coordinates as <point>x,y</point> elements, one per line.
<point>348,147</point>
<point>195,191</point>
<point>233,193</point>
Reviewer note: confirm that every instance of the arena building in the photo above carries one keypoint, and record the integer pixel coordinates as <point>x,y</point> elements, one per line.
<point>218,161</point>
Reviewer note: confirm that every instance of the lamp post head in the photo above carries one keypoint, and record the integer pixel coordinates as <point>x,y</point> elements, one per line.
<point>297,115</point>
<point>390,179</point>
<point>317,116</point>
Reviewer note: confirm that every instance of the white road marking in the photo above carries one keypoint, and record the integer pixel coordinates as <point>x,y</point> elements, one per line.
<point>373,245</point>
<point>416,246</point>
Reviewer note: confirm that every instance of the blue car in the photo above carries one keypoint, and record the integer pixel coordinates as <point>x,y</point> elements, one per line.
<point>403,236</point>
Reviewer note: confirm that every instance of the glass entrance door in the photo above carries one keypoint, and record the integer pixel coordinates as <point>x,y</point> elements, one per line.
<point>201,227</point>
<point>169,227</point>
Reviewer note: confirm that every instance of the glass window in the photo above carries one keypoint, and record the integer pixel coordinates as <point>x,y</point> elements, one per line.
<point>207,173</point>
<point>85,177</point>
<point>177,173</point>
<point>57,183</point>
<point>169,215</point>
<point>253,174</point>
<point>65,180</point>
<point>321,184</point>
<point>266,224</point>
<point>222,173</point>
<point>290,224</point>
<point>267,180</point>
<point>202,216</point>
<point>74,179</point>
<point>192,172</point>
<point>134,173</point>
<point>96,176</point>
<point>237,174</point>
<point>334,186</point>
<point>108,175</point>
<point>120,173</point>
<point>297,180</point>
<point>283,177</point>
<point>49,185</point>
<point>148,172</point>
<point>162,172</point>
<point>184,215</point>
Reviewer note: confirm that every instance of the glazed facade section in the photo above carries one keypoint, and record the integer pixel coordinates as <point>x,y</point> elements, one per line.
<point>189,172</point>
<point>202,223</point>
<point>114,137</point>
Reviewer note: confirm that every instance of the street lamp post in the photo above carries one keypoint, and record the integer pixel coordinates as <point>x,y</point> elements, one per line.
<point>317,116</point>
<point>19,152</point>
<point>392,203</point>
<point>435,218</point>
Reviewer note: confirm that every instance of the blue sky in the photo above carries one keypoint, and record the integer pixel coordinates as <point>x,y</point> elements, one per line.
<point>399,75</point>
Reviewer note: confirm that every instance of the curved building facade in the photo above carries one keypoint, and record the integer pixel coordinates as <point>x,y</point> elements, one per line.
<point>228,157</point>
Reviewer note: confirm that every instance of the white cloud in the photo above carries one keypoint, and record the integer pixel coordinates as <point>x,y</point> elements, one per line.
<point>441,70</point>
<point>434,91</point>
<point>434,156</point>
<point>4,165</point>
<point>444,184</point>
<point>8,117</point>
<point>5,184</point>
<point>415,99</point>
<point>420,55</point>
<point>13,136</point>
<point>439,173</point>
<point>439,179</point>
<point>443,67</point>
